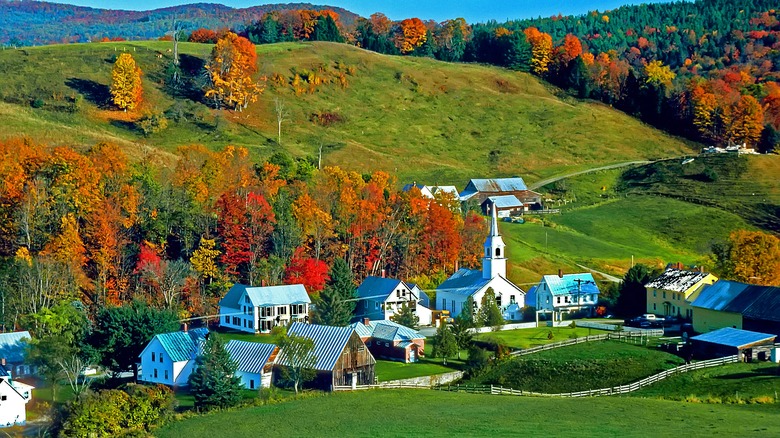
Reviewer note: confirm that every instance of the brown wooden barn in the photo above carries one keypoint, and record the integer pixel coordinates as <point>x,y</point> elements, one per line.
<point>342,359</point>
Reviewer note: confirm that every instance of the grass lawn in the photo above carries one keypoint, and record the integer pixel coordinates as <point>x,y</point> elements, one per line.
<point>590,365</point>
<point>726,383</point>
<point>230,335</point>
<point>187,401</point>
<point>434,414</point>
<point>526,338</point>
<point>427,366</point>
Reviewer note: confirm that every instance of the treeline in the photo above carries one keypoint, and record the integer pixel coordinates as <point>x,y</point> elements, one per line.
<point>96,229</point>
<point>706,70</point>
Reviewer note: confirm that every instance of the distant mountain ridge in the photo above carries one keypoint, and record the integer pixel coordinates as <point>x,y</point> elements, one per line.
<point>29,22</point>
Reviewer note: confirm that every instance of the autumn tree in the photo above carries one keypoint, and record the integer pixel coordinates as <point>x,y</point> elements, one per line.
<point>229,71</point>
<point>310,272</point>
<point>747,121</point>
<point>410,34</point>
<point>750,256</point>
<point>126,88</point>
<point>541,48</point>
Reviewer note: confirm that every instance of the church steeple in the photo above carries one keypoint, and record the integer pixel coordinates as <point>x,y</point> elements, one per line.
<point>494,262</point>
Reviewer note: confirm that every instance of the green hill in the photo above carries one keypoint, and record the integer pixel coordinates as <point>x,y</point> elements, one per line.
<point>426,120</point>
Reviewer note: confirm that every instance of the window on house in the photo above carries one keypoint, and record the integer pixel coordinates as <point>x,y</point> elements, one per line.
<point>252,384</point>
<point>511,299</point>
<point>498,300</point>
<point>161,357</point>
<point>166,374</point>
<point>498,252</point>
<point>664,294</point>
<point>155,373</point>
<point>558,301</point>
<point>654,293</point>
<point>376,305</point>
<point>153,357</point>
<point>452,308</point>
<point>227,320</point>
<point>398,293</point>
<point>653,306</point>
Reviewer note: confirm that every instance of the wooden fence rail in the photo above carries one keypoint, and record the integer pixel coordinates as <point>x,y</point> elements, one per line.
<point>620,336</point>
<point>615,390</point>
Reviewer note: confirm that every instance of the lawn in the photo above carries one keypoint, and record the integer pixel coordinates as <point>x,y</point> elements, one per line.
<point>580,367</point>
<point>230,335</point>
<point>526,338</point>
<point>427,366</point>
<point>442,414</point>
<point>726,383</point>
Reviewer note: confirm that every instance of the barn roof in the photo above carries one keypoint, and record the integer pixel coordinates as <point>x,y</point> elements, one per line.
<point>182,346</point>
<point>757,302</point>
<point>719,295</point>
<point>677,280</point>
<point>732,337</point>
<point>571,283</point>
<point>386,330</point>
<point>329,343</point>
<point>266,295</point>
<point>498,184</point>
<point>12,346</point>
<point>505,201</point>
<point>250,356</point>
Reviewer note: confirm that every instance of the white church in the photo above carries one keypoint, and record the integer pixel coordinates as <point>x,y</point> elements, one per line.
<point>454,292</point>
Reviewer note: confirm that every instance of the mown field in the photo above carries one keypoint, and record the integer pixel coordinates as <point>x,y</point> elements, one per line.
<point>526,338</point>
<point>425,120</point>
<point>433,413</point>
<point>580,367</point>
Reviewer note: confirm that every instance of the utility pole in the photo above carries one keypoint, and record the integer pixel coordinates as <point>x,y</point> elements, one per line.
<point>319,160</point>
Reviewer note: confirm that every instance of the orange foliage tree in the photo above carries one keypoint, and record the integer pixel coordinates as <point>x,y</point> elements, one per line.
<point>410,34</point>
<point>203,35</point>
<point>541,50</point>
<point>230,68</point>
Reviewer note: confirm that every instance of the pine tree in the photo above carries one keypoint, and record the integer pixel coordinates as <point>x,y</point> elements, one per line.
<point>489,313</point>
<point>214,383</point>
<point>462,334</point>
<point>126,86</point>
<point>466,316</point>
<point>406,317</point>
<point>332,306</point>
<point>632,296</point>
<point>518,53</point>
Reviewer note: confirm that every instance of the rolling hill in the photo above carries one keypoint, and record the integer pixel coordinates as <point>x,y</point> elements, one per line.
<point>422,119</point>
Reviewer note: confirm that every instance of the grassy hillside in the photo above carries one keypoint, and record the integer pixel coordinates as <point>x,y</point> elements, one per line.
<point>433,414</point>
<point>423,119</point>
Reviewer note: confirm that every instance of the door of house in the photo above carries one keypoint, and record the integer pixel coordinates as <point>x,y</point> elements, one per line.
<point>412,355</point>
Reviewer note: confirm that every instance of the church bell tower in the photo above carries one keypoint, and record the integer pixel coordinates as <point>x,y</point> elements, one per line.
<point>494,262</point>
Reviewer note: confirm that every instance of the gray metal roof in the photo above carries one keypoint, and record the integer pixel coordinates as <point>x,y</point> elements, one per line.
<point>376,287</point>
<point>386,330</point>
<point>13,345</point>
<point>497,185</point>
<point>719,295</point>
<point>182,346</point>
<point>266,295</point>
<point>464,282</point>
<point>329,343</point>
<point>732,337</point>
<point>505,201</point>
<point>677,280</point>
<point>571,283</point>
<point>251,357</point>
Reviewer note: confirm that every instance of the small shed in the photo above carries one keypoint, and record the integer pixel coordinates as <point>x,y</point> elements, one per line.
<point>255,362</point>
<point>729,341</point>
<point>505,205</point>
<point>342,358</point>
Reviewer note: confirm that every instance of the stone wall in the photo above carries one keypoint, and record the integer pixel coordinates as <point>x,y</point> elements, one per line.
<point>427,381</point>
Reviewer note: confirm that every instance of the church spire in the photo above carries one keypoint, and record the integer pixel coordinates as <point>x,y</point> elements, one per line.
<point>494,262</point>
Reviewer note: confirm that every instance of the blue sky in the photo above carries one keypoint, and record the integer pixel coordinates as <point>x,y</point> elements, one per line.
<point>439,10</point>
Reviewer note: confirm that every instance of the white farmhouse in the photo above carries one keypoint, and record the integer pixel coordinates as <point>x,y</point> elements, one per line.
<point>14,397</point>
<point>381,298</point>
<point>255,362</point>
<point>169,358</point>
<point>259,309</point>
<point>563,294</point>
<point>453,294</point>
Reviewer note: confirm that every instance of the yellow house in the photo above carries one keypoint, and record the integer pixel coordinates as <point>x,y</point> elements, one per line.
<point>672,293</point>
<point>737,305</point>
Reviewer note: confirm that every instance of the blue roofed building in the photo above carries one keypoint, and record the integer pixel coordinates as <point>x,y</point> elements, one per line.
<point>453,294</point>
<point>737,305</point>
<point>259,309</point>
<point>505,205</point>
<point>481,189</point>
<point>563,294</point>
<point>169,358</point>
<point>380,298</point>
<point>390,340</point>
<point>255,362</point>
<point>12,349</point>
<point>730,341</point>
<point>340,357</point>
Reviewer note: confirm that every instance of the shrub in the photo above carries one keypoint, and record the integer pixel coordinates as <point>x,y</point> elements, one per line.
<point>152,123</point>
<point>37,103</point>
<point>327,118</point>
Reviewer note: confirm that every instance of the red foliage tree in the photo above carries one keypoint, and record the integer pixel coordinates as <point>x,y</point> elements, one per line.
<point>311,273</point>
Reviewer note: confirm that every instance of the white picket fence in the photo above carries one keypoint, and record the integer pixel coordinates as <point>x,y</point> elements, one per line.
<point>620,336</point>
<point>615,390</point>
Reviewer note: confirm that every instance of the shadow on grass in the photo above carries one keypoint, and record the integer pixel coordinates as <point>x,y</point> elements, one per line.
<point>94,92</point>
<point>130,126</point>
<point>768,372</point>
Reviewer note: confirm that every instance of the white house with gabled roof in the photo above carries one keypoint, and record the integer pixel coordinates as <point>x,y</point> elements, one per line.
<point>14,397</point>
<point>259,309</point>
<point>380,298</point>
<point>255,362</point>
<point>453,294</point>
<point>169,358</point>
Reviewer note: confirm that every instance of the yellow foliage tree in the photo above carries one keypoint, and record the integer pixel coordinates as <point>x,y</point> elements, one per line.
<point>541,50</point>
<point>204,259</point>
<point>126,88</point>
<point>755,256</point>
<point>231,66</point>
<point>658,74</point>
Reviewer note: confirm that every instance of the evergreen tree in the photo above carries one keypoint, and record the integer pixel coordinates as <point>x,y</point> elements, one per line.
<point>462,334</point>
<point>444,343</point>
<point>326,30</point>
<point>466,315</point>
<point>332,306</point>
<point>406,317</point>
<point>489,313</point>
<point>579,78</point>
<point>632,298</point>
<point>517,54</point>
<point>214,383</point>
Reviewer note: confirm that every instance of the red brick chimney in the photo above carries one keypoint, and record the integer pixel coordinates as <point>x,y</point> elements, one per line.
<point>262,282</point>
<point>366,322</point>
<point>2,361</point>
<point>560,273</point>
<point>384,273</point>
<point>185,327</point>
